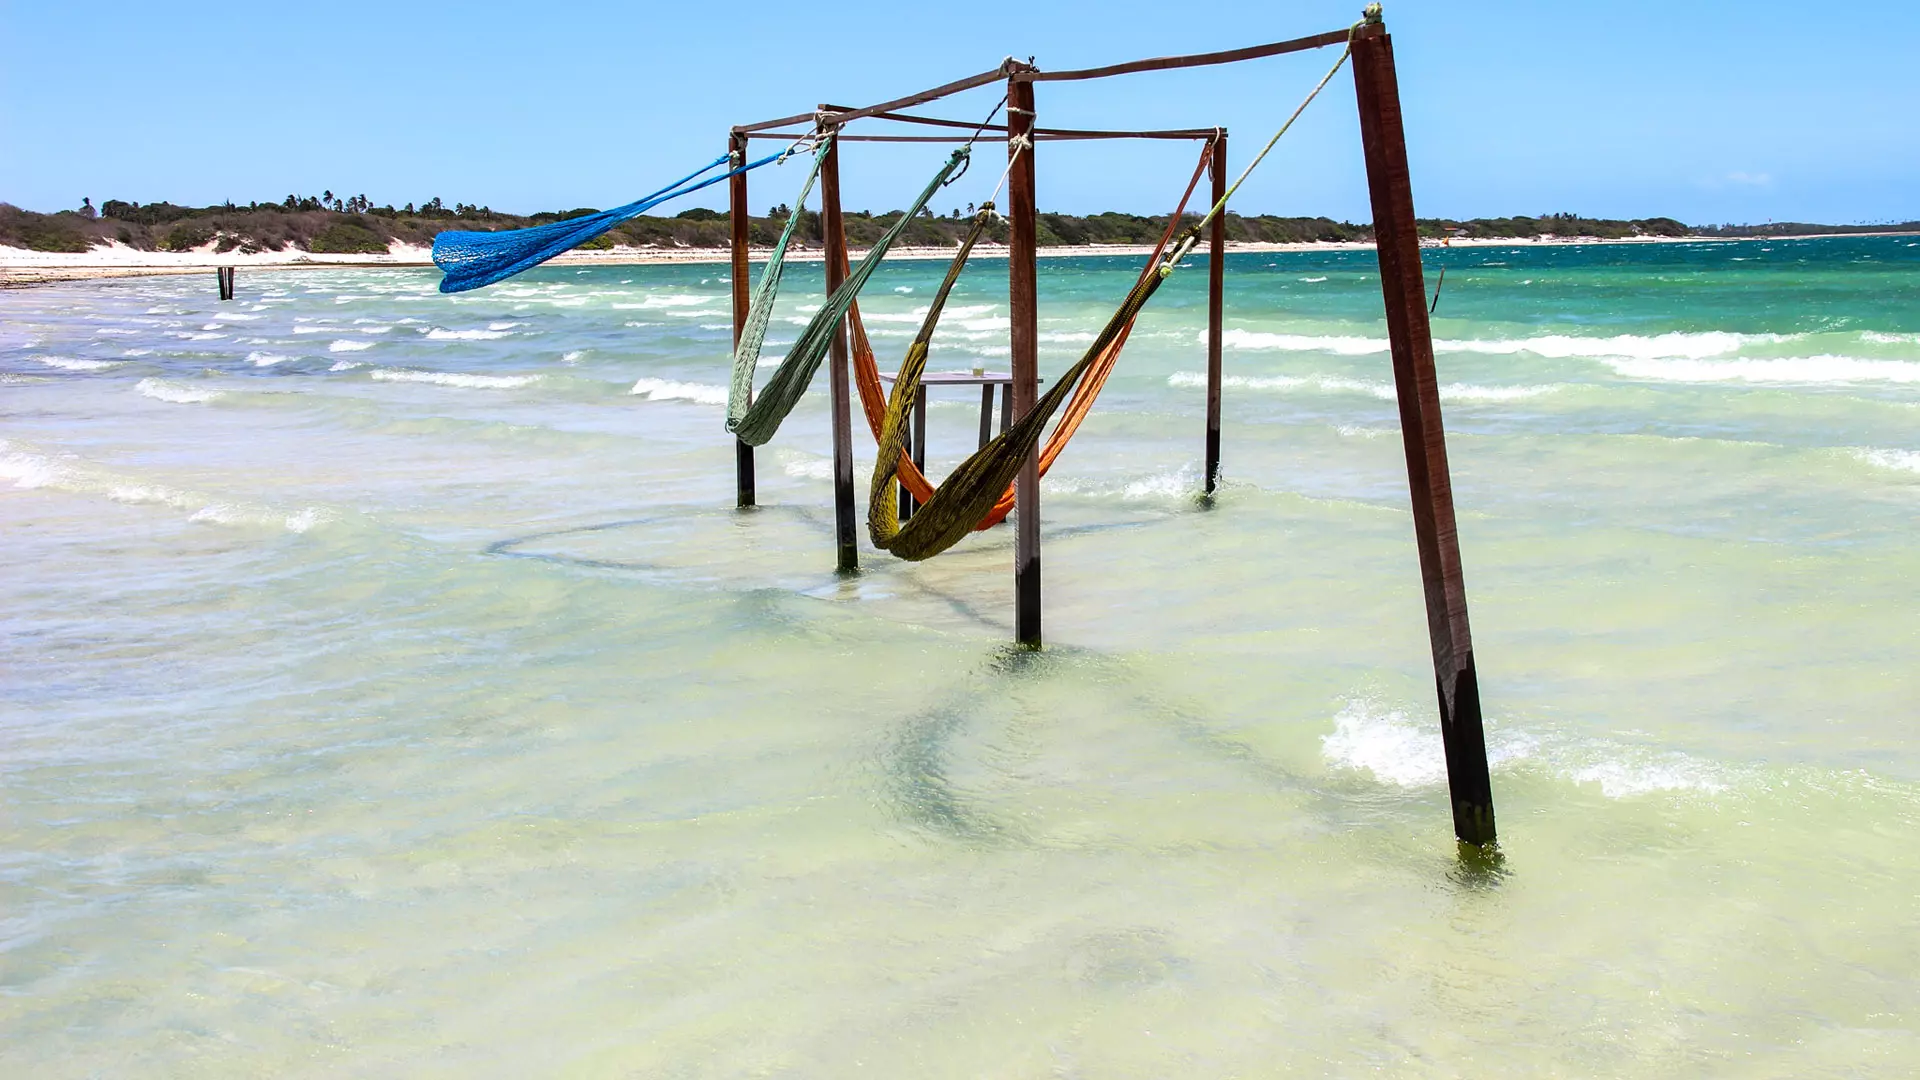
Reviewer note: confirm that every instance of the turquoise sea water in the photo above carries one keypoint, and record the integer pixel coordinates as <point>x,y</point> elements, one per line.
<point>391,689</point>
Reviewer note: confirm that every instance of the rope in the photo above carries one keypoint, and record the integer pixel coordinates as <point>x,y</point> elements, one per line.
<point>1372,15</point>
<point>753,332</point>
<point>789,382</point>
<point>874,397</point>
<point>978,494</point>
<point>475,259</point>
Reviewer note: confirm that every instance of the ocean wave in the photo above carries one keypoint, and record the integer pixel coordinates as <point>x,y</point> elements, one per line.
<point>1900,460</point>
<point>1172,484</point>
<point>267,359</point>
<point>809,468</point>
<point>347,365</point>
<point>1679,345</point>
<point>349,345</point>
<point>1792,369</point>
<point>447,378</point>
<point>1340,384</point>
<point>1878,338</point>
<point>573,357</point>
<point>442,334</point>
<point>668,390</point>
<point>504,325</point>
<point>162,390</point>
<point>1369,737</point>
<point>67,364</point>
<point>31,469</point>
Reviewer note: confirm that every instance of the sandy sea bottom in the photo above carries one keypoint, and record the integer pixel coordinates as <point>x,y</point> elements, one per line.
<point>391,688</point>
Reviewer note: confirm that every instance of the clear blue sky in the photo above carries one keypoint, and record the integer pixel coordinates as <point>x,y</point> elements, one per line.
<point>1708,111</point>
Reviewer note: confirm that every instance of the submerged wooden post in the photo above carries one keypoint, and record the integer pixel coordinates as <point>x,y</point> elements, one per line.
<point>738,218</point>
<point>836,249</point>
<point>1024,314</point>
<point>1216,307</point>
<point>223,277</point>
<point>1404,287</point>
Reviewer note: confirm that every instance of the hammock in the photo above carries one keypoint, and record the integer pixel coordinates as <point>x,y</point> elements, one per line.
<point>475,259</point>
<point>971,490</point>
<point>789,382</point>
<point>887,416</point>
<point>753,332</point>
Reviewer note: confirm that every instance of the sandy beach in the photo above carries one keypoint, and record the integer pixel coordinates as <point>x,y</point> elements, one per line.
<point>19,267</point>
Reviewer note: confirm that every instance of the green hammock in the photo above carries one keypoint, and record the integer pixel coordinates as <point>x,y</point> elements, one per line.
<point>757,424</point>
<point>967,493</point>
<point>746,353</point>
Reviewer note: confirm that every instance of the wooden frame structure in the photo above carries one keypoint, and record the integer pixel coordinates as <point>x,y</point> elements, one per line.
<point>1403,289</point>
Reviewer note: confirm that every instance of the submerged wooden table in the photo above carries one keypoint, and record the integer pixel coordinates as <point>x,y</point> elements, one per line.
<point>986,381</point>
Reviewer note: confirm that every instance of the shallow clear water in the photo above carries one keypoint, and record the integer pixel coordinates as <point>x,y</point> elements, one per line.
<point>390,688</point>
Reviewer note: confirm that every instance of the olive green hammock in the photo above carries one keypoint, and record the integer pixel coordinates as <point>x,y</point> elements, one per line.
<point>969,493</point>
<point>755,418</point>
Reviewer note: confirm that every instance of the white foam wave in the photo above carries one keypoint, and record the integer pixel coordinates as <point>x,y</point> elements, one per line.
<point>267,359</point>
<point>1677,345</point>
<point>809,468</point>
<point>1069,338</point>
<point>573,357</point>
<point>1792,369</point>
<point>1873,336</point>
<point>30,469</point>
<point>504,325</point>
<point>67,364</point>
<point>442,334</point>
<point>1397,750</point>
<point>162,390</point>
<point>1339,345</point>
<point>668,390</point>
<point>348,345</point>
<point>1900,460</point>
<point>447,378</point>
<point>1342,385</point>
<point>1174,484</point>
<point>347,365</point>
<point>1313,280</point>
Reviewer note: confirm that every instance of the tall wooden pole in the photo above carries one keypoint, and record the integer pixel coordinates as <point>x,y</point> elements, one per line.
<point>1404,287</point>
<point>1216,308</point>
<point>836,249</point>
<point>737,215</point>
<point>1024,313</point>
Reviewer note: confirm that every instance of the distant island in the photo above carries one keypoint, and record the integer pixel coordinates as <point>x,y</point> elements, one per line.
<point>333,225</point>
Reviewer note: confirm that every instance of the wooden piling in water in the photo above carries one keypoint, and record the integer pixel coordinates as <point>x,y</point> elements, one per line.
<point>738,217</point>
<point>845,537</point>
<point>1404,288</point>
<point>1216,308</point>
<point>223,278</point>
<point>1024,314</point>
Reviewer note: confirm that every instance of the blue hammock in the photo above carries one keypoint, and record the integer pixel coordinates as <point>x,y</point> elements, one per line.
<point>474,259</point>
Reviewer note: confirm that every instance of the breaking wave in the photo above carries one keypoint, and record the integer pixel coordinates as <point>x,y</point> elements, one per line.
<point>444,378</point>
<point>668,390</point>
<point>162,390</point>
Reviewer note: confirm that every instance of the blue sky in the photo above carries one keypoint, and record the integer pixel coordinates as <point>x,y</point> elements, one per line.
<point>1708,111</point>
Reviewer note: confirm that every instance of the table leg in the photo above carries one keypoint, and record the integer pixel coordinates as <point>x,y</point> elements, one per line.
<point>920,429</point>
<point>907,505</point>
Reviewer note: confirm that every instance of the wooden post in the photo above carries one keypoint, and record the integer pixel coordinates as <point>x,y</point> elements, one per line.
<point>836,250</point>
<point>1216,287</point>
<point>1024,314</point>
<point>919,444</point>
<point>1398,240</point>
<point>223,278</point>
<point>738,217</point>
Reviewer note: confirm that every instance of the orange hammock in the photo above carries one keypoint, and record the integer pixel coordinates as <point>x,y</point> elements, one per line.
<point>873,398</point>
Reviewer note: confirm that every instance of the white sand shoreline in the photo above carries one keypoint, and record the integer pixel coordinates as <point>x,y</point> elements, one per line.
<point>19,267</point>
